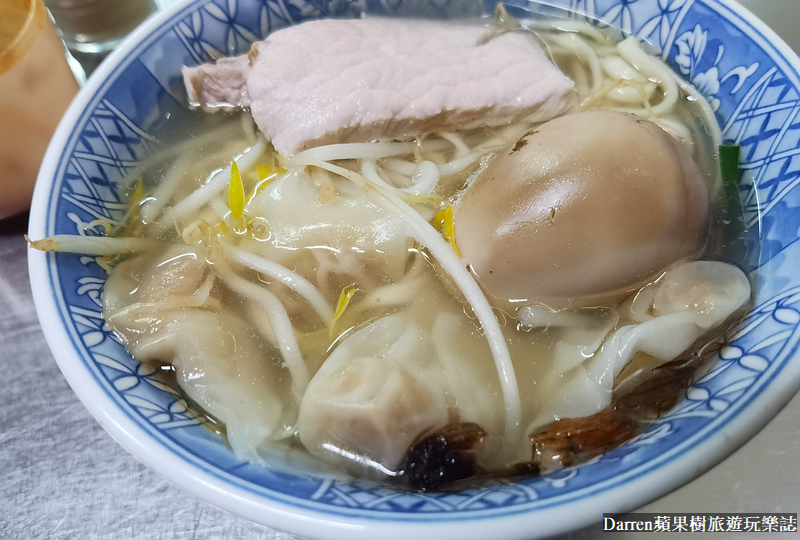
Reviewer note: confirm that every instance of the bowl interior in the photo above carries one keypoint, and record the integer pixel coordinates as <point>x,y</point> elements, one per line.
<point>747,75</point>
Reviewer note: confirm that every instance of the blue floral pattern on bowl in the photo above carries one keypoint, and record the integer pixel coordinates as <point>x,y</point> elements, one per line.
<point>753,92</point>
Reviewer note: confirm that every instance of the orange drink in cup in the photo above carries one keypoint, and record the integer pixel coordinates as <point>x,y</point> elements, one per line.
<point>36,86</point>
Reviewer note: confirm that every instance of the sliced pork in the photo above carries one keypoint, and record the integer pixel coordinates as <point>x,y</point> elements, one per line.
<point>219,85</point>
<point>364,80</point>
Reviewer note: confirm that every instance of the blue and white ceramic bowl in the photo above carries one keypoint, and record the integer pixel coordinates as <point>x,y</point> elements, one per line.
<point>750,77</point>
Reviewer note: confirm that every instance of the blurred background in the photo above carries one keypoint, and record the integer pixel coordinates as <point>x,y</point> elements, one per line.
<point>782,16</point>
<point>41,66</point>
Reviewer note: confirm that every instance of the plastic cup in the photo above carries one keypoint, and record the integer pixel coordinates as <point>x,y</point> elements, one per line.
<point>36,86</point>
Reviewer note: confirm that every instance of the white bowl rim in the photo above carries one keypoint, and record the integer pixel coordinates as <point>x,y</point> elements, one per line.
<point>657,481</point>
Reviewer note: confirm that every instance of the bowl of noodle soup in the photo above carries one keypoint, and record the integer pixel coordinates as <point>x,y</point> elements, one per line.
<point>732,82</point>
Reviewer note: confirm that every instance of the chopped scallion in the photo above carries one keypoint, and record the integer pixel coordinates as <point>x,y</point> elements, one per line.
<point>729,166</point>
<point>136,199</point>
<point>445,222</point>
<point>423,199</point>
<point>132,217</point>
<point>732,214</point>
<point>236,192</point>
<point>344,300</point>
<point>265,171</point>
<point>266,175</point>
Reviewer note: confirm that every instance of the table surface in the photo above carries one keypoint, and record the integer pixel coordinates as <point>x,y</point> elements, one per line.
<point>63,477</point>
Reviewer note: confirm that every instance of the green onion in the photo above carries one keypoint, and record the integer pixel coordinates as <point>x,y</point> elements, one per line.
<point>731,244</point>
<point>729,166</point>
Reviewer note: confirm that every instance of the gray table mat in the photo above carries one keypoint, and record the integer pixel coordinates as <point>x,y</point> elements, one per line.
<point>63,477</point>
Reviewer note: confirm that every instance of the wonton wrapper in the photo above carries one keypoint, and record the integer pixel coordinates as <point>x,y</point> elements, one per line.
<point>688,301</point>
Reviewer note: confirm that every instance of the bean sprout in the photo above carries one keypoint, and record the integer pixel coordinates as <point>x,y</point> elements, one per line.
<point>425,179</point>
<point>373,151</point>
<point>156,202</point>
<point>426,235</point>
<point>278,319</point>
<point>99,246</point>
<point>217,181</point>
<point>294,281</point>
